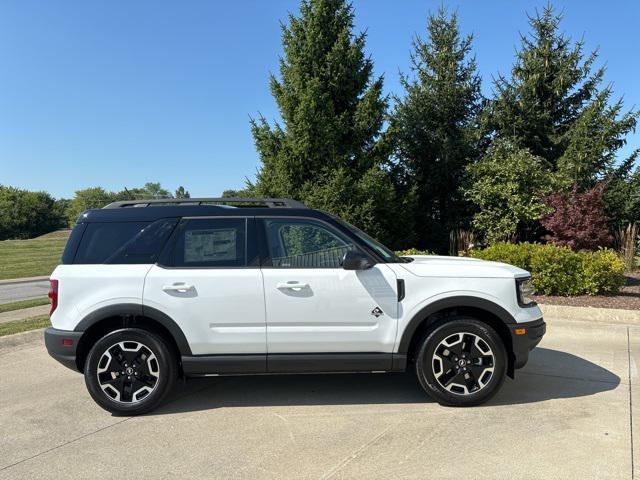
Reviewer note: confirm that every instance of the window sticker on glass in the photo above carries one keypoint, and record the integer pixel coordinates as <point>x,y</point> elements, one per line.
<point>210,245</point>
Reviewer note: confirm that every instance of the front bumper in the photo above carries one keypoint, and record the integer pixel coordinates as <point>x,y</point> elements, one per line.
<point>524,338</point>
<point>62,345</point>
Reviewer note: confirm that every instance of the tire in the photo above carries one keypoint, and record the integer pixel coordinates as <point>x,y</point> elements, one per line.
<point>130,371</point>
<point>461,362</point>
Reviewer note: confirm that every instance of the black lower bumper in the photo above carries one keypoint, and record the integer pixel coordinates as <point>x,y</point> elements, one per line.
<point>62,345</point>
<point>524,338</point>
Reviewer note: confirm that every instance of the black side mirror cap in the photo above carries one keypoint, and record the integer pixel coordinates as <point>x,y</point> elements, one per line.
<point>354,260</point>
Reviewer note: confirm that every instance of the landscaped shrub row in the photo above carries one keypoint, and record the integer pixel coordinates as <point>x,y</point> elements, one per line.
<point>560,270</point>
<point>413,251</point>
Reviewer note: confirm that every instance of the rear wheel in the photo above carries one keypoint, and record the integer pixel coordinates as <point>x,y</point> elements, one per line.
<point>130,371</point>
<point>462,362</point>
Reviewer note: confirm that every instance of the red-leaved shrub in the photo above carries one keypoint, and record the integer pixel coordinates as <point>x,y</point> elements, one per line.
<point>578,220</point>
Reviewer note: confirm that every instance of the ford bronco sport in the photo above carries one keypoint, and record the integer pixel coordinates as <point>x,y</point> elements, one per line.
<point>149,291</point>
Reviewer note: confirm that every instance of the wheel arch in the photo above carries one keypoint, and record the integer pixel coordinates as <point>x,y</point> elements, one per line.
<point>448,308</point>
<point>106,319</point>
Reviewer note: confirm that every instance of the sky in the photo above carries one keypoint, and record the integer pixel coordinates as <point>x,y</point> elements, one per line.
<point>118,93</point>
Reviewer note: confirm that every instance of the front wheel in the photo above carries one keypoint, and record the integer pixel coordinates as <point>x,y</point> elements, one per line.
<point>462,362</point>
<point>130,371</point>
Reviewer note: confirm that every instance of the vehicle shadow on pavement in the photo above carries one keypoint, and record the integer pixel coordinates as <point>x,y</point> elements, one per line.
<point>549,374</point>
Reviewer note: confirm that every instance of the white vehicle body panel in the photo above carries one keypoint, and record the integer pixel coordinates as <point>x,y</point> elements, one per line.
<point>332,312</point>
<point>221,313</point>
<point>83,289</point>
<point>250,310</point>
<point>429,279</point>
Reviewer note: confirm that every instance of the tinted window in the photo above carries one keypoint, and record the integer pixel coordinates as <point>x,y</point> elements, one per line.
<point>101,240</point>
<point>373,244</point>
<point>73,242</point>
<point>301,243</point>
<point>146,245</point>
<point>215,242</point>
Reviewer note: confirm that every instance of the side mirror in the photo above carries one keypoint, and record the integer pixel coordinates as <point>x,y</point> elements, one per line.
<point>354,260</point>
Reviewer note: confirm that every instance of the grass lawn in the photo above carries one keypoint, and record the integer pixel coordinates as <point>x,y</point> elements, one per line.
<point>18,326</point>
<point>36,302</point>
<point>32,258</point>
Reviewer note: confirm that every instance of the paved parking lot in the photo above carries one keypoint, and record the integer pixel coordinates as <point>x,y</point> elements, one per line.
<point>568,414</point>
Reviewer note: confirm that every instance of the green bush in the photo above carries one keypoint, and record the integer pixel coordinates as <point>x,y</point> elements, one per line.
<point>556,270</point>
<point>518,255</point>
<point>413,251</point>
<point>602,272</point>
<point>560,270</point>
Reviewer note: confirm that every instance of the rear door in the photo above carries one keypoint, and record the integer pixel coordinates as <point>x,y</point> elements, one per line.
<point>210,284</point>
<point>315,306</point>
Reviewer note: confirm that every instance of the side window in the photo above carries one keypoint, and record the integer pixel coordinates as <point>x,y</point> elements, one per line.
<point>212,242</point>
<point>146,245</point>
<point>101,240</point>
<point>294,243</point>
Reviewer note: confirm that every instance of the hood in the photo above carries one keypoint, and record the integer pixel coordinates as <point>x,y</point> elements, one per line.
<point>437,266</point>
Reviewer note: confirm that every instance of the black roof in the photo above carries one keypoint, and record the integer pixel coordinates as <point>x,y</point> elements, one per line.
<point>149,211</point>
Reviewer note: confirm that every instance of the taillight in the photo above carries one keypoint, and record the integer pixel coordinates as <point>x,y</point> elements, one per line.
<point>53,295</point>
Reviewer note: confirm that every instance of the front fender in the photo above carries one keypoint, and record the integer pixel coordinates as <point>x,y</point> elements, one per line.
<point>451,301</point>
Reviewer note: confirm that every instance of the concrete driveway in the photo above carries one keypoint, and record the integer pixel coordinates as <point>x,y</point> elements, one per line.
<point>568,414</point>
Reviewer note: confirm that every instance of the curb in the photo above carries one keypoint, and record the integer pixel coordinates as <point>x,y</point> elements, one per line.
<point>591,314</point>
<point>10,281</point>
<point>22,338</point>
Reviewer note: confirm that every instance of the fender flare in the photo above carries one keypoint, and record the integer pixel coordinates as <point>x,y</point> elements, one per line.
<point>446,303</point>
<point>134,310</point>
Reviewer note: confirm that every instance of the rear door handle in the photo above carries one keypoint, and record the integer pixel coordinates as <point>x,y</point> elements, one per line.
<point>291,286</point>
<point>177,287</point>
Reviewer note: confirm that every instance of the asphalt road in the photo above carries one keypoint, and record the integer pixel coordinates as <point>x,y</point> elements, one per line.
<point>14,292</point>
<point>568,414</point>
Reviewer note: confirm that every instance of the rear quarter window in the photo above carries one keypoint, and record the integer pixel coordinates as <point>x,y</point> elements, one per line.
<point>122,242</point>
<point>72,243</point>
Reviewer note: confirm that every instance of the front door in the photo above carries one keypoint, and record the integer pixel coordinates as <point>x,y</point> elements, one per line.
<point>313,305</point>
<point>211,288</point>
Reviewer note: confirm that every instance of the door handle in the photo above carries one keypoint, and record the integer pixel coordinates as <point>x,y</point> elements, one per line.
<point>177,287</point>
<point>291,286</point>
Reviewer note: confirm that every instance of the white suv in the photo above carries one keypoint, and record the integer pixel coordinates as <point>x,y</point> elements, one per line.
<point>199,287</point>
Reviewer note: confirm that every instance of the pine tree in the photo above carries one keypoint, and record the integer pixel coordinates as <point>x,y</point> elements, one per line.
<point>554,106</point>
<point>434,128</point>
<point>327,152</point>
<point>181,192</point>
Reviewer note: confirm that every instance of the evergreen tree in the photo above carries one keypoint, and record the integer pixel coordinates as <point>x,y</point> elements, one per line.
<point>434,128</point>
<point>327,151</point>
<point>622,195</point>
<point>181,192</point>
<point>554,106</point>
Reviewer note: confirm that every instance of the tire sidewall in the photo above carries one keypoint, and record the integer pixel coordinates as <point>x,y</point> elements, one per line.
<point>439,332</point>
<point>166,364</point>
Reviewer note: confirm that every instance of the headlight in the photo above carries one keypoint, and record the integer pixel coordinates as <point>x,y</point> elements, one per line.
<point>526,291</point>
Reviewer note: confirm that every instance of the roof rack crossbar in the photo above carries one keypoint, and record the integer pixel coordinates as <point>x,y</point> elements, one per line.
<point>269,202</point>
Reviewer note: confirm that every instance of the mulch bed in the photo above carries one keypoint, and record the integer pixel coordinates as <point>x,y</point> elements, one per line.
<point>627,299</point>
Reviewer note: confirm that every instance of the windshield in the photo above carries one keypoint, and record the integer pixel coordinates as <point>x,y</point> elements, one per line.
<point>372,243</point>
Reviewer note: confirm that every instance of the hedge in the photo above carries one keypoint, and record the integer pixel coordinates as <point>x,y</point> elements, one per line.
<point>560,270</point>
<point>412,251</point>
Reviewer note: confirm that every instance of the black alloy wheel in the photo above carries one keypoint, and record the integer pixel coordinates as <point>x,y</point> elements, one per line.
<point>130,371</point>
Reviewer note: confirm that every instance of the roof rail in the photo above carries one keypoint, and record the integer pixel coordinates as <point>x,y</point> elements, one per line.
<point>268,202</point>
